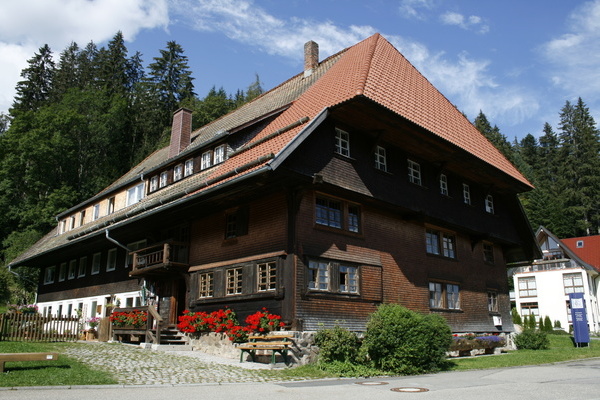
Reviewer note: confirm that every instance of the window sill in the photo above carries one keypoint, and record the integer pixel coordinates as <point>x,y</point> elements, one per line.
<point>447,310</point>
<point>236,297</point>
<point>343,157</point>
<point>332,295</point>
<point>331,229</point>
<point>442,257</point>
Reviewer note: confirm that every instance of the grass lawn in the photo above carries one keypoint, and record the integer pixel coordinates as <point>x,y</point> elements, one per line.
<point>63,372</point>
<point>561,349</point>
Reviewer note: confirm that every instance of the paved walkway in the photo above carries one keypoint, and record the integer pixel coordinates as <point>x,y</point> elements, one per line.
<point>134,365</point>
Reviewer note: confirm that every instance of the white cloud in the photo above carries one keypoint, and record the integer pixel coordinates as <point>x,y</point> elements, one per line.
<point>472,22</point>
<point>415,9</point>
<point>575,55</point>
<point>26,25</point>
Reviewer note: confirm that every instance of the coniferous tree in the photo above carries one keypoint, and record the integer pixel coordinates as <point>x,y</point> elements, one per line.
<point>493,135</point>
<point>36,87</point>
<point>254,90</point>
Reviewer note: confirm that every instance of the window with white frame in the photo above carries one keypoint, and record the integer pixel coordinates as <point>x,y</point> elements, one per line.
<point>444,295</point>
<point>111,206</point>
<point>443,185</point>
<point>49,275</point>
<point>72,269</point>
<point>82,217</point>
<point>440,243</point>
<point>96,262</point>
<point>342,142</point>
<point>380,159</point>
<point>492,301</point>
<point>62,272</point>
<point>82,267</point>
<point>163,180</point>
<point>177,172</point>
<point>234,281</point>
<point>489,204</point>
<point>573,283</point>
<point>72,222</point>
<point>96,211</point>
<point>111,260</point>
<point>527,287</point>
<point>318,275</point>
<point>154,183</point>
<point>219,155</point>
<point>414,172</point>
<point>353,219</point>
<point>466,194</point>
<point>267,276</point>
<point>206,285</point>
<point>206,160</point>
<point>135,194</point>
<point>530,309</point>
<point>189,167</point>
<point>348,279</point>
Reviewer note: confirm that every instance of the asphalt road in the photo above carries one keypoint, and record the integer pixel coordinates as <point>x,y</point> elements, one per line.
<point>573,380</point>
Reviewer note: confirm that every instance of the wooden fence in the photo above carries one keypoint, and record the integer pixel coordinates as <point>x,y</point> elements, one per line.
<point>38,328</point>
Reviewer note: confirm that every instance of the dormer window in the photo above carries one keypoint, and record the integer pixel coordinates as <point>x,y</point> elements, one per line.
<point>219,154</point>
<point>135,194</point>
<point>111,206</point>
<point>189,167</point>
<point>154,183</point>
<point>96,211</point>
<point>163,180</point>
<point>177,172</point>
<point>206,160</point>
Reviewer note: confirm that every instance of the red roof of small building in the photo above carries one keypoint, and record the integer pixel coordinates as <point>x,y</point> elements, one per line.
<point>587,248</point>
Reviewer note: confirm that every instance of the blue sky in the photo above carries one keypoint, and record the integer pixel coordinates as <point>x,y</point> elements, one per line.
<point>517,61</point>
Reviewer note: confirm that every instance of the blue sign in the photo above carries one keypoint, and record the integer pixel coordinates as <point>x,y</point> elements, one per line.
<point>581,331</point>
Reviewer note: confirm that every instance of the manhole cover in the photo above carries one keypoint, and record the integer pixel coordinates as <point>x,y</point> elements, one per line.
<point>409,389</point>
<point>371,383</point>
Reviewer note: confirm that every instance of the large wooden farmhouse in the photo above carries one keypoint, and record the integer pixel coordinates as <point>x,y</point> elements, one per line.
<point>352,184</point>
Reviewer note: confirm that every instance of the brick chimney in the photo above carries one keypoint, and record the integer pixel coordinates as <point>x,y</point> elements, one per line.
<point>311,57</point>
<point>181,131</point>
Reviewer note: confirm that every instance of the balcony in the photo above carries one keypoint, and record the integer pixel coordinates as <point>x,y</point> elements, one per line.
<point>548,265</point>
<point>160,259</point>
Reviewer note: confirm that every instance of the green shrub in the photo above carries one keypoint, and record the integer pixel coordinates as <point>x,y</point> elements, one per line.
<point>405,342</point>
<point>516,317</point>
<point>532,340</point>
<point>548,324</point>
<point>337,344</point>
<point>557,324</point>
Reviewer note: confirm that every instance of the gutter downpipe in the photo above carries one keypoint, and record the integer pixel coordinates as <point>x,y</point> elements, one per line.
<point>118,244</point>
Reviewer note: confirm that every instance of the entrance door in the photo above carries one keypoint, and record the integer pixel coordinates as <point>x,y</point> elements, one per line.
<point>172,300</point>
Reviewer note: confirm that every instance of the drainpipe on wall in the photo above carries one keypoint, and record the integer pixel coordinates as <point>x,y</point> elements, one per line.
<point>118,244</point>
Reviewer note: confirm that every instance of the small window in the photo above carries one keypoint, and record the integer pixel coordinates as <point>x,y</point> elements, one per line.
<point>189,167</point>
<point>342,142</point>
<point>206,285</point>
<point>444,295</point>
<point>530,309</point>
<point>219,156</point>
<point>72,269</point>
<point>111,260</point>
<point>234,281</point>
<point>493,301</point>
<point>440,243</point>
<point>414,172</point>
<point>111,206</point>
<point>527,287</point>
<point>154,183</point>
<point>82,217</point>
<point>62,272</point>
<point>177,173</point>
<point>348,279</point>
<point>443,185</point>
<point>353,219</point>
<point>62,226</point>
<point>267,276</point>
<point>466,194</point>
<point>236,223</point>
<point>318,275</point>
<point>329,212</point>
<point>72,222</point>
<point>380,159</point>
<point>49,275</point>
<point>206,160</point>
<point>489,204</point>
<point>96,211</point>
<point>135,194</point>
<point>164,178</point>
<point>96,261</point>
<point>82,267</point>
<point>573,283</point>
<point>488,253</point>
<point>580,244</point>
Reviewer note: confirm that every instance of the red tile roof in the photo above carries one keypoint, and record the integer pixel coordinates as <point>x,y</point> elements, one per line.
<point>589,253</point>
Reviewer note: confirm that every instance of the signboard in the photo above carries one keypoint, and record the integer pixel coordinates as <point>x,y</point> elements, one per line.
<point>581,331</point>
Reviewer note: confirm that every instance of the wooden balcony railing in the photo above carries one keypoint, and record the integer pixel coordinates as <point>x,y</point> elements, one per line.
<point>158,257</point>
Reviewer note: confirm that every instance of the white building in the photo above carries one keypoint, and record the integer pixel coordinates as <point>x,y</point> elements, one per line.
<point>568,266</point>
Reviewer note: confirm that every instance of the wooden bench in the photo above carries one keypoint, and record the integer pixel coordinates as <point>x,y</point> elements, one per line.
<point>4,357</point>
<point>273,342</point>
